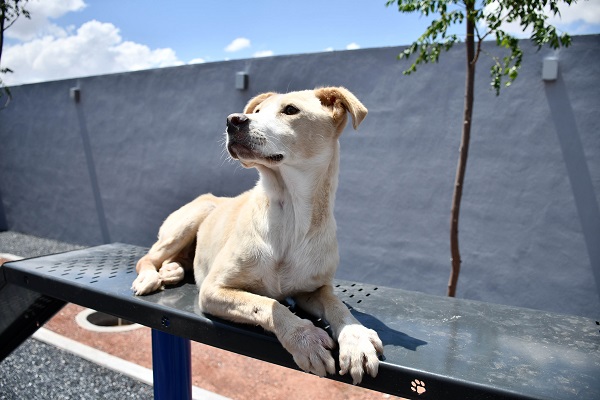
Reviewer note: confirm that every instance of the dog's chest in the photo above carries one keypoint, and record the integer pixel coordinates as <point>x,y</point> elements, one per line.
<point>301,268</point>
<point>292,255</point>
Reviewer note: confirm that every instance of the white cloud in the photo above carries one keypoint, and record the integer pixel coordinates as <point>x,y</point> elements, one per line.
<point>587,11</point>
<point>263,53</point>
<point>573,19</point>
<point>329,49</point>
<point>238,44</point>
<point>197,61</point>
<point>39,24</point>
<point>352,46</point>
<point>94,48</point>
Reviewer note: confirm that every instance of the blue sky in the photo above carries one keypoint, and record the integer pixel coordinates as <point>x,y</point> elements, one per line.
<point>70,38</point>
<point>200,29</point>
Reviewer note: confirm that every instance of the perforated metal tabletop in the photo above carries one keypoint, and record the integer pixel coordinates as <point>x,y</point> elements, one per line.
<point>435,347</point>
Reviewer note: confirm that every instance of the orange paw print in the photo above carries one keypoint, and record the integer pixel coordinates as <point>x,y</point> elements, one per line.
<point>418,386</point>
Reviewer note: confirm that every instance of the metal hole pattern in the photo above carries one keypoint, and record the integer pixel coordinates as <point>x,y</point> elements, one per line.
<point>354,294</point>
<point>96,267</point>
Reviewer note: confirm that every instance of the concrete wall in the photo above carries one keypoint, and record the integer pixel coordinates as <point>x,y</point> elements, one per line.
<point>139,145</point>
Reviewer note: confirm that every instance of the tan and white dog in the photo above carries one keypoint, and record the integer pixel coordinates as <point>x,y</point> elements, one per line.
<point>277,240</point>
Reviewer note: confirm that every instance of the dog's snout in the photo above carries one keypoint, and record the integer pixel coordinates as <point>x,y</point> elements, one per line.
<point>237,121</point>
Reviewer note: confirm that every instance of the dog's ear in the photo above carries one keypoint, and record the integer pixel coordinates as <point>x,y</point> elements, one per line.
<point>254,102</point>
<point>340,100</point>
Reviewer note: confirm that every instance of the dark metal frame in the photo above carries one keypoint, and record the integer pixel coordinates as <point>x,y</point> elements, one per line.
<point>450,347</point>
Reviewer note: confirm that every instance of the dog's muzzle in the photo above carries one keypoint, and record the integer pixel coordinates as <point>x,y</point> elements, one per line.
<point>238,141</point>
<point>237,123</point>
<point>241,144</point>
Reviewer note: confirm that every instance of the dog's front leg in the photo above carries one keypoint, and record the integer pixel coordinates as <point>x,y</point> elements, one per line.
<point>359,346</point>
<point>310,346</point>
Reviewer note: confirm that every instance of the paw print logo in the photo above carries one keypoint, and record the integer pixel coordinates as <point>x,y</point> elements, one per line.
<point>418,386</point>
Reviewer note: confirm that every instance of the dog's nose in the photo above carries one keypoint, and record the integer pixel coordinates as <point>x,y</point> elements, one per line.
<point>237,121</point>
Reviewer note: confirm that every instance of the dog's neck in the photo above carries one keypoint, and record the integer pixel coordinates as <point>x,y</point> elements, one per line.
<point>304,193</point>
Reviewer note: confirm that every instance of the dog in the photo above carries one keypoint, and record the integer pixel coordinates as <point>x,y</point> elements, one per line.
<point>277,240</point>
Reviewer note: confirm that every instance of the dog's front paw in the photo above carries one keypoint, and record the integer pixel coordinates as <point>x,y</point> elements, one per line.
<point>310,346</point>
<point>359,347</point>
<point>147,281</point>
<point>171,273</point>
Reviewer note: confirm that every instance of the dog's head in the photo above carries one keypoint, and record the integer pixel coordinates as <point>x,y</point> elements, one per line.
<point>290,128</point>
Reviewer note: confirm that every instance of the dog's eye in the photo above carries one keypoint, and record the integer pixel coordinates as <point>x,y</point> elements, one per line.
<point>290,110</point>
<point>256,111</point>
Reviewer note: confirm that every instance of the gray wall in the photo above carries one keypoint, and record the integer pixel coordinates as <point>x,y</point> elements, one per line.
<point>141,144</point>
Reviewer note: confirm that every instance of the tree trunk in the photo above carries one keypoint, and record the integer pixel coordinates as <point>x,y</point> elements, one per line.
<point>463,152</point>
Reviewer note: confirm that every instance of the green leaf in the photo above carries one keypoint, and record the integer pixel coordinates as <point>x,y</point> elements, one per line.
<point>528,14</point>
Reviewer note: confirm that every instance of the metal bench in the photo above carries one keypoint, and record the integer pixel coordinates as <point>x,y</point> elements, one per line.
<point>435,347</point>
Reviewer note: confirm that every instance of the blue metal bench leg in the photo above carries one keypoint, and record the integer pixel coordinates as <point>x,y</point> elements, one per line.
<point>172,367</point>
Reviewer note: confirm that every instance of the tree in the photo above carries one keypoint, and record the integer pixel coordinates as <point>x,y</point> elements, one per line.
<point>10,11</point>
<point>482,19</point>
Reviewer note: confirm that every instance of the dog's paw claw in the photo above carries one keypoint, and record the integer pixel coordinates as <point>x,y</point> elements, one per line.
<point>146,282</point>
<point>359,349</point>
<point>310,346</point>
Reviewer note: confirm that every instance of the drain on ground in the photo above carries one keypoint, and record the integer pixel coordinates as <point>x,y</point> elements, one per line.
<point>101,322</point>
<point>101,319</point>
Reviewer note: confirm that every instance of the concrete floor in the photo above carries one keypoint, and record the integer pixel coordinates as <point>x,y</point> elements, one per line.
<point>39,371</point>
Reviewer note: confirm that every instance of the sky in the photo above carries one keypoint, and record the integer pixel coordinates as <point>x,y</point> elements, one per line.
<point>76,38</point>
